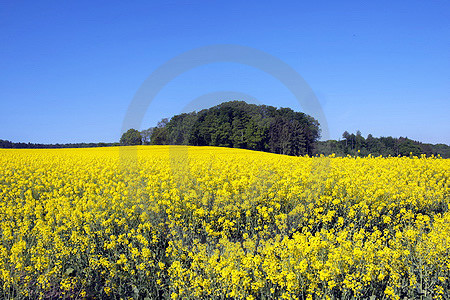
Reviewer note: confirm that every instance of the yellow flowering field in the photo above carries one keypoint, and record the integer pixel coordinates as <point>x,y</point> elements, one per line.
<point>202,222</point>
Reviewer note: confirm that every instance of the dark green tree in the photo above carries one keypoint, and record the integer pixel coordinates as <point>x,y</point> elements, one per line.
<point>146,135</point>
<point>160,135</point>
<point>131,137</point>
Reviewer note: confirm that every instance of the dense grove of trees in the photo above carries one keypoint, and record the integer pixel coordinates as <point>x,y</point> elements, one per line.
<point>385,146</point>
<point>240,125</point>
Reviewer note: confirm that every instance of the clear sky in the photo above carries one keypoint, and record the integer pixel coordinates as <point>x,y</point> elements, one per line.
<point>69,70</point>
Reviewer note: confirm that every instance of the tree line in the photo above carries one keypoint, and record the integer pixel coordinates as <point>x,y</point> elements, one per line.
<point>355,144</point>
<point>257,127</point>
<point>237,124</point>
<point>8,144</point>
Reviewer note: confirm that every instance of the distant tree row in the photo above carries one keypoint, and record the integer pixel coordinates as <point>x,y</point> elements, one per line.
<point>9,144</point>
<point>356,144</point>
<point>239,125</point>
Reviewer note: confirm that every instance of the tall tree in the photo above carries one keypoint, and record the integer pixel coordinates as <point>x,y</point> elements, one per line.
<point>131,137</point>
<point>146,135</point>
<point>160,134</point>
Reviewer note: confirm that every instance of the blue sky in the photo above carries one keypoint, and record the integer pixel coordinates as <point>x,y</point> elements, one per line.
<point>69,70</point>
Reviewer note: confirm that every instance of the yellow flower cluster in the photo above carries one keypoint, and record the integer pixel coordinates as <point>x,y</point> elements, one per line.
<point>204,222</point>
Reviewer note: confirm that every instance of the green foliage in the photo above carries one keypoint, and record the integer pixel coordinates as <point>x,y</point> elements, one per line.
<point>9,144</point>
<point>159,134</point>
<point>240,125</point>
<point>146,135</point>
<point>131,137</point>
<point>352,144</point>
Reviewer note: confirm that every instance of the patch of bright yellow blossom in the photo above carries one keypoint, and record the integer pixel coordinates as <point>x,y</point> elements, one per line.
<point>204,222</point>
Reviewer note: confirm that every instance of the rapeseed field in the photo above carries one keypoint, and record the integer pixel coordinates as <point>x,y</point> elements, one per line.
<point>203,222</point>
